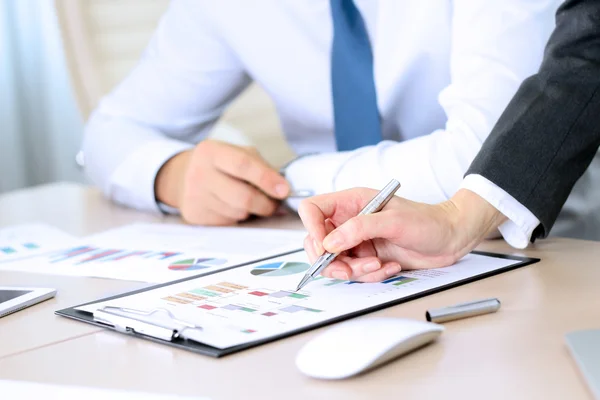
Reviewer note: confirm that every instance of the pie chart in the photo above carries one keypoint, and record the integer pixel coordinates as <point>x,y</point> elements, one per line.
<point>191,264</point>
<point>280,268</point>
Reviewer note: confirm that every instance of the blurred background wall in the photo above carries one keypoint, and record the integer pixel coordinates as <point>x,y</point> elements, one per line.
<point>58,58</point>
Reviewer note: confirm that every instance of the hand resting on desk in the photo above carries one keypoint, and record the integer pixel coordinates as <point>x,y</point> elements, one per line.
<point>404,235</point>
<point>218,183</point>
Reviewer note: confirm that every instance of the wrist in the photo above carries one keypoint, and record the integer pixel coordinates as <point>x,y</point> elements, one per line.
<point>472,218</point>
<point>168,184</point>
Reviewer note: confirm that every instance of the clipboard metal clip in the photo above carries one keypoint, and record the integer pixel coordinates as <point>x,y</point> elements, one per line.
<point>158,323</point>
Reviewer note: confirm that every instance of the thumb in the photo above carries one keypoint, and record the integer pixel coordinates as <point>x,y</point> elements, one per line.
<point>355,231</point>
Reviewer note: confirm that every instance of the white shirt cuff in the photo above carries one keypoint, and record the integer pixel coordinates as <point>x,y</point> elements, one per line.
<point>521,222</point>
<point>315,173</point>
<point>132,183</point>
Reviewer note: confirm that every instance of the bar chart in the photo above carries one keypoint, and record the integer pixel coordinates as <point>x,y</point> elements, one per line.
<point>89,254</point>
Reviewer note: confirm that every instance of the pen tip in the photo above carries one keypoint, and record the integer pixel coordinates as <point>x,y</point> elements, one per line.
<point>303,282</point>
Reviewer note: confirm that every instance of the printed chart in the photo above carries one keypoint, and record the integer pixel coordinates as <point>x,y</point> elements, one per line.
<point>395,281</point>
<point>23,241</point>
<point>226,299</point>
<point>87,254</point>
<point>281,268</point>
<point>19,248</point>
<point>191,264</point>
<point>146,265</point>
<point>254,302</point>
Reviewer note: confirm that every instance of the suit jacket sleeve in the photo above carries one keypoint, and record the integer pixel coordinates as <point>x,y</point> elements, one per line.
<point>550,131</point>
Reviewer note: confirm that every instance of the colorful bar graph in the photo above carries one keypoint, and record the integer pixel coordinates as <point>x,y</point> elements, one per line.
<point>13,249</point>
<point>94,254</point>
<point>127,255</point>
<point>335,282</point>
<point>258,293</point>
<point>191,296</point>
<point>8,250</point>
<point>219,289</point>
<point>77,251</point>
<point>234,307</point>
<point>232,285</point>
<point>176,300</point>
<point>295,308</point>
<point>207,307</point>
<point>297,296</point>
<point>283,293</point>
<point>99,256</point>
<point>399,280</point>
<point>403,281</point>
<point>204,292</point>
<point>163,255</point>
<point>279,295</point>
<point>231,307</point>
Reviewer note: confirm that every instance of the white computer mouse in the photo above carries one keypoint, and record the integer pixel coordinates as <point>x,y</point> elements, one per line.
<point>355,346</point>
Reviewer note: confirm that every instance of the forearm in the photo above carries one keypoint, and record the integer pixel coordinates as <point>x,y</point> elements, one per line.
<point>549,133</point>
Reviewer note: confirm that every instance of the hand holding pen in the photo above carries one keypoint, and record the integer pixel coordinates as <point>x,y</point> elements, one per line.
<point>404,235</point>
<point>376,204</point>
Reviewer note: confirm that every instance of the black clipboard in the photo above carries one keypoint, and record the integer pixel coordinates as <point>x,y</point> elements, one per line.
<point>200,348</point>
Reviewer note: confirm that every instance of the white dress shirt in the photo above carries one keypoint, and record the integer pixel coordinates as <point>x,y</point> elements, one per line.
<point>444,72</point>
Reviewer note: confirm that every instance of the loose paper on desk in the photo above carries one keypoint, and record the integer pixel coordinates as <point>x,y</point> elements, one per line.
<point>23,241</point>
<point>16,390</point>
<point>161,253</point>
<point>258,301</point>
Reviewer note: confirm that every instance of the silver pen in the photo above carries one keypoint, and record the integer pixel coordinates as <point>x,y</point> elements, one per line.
<point>375,205</point>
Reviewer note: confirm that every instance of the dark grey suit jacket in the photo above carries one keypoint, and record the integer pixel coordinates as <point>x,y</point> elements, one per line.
<point>550,131</point>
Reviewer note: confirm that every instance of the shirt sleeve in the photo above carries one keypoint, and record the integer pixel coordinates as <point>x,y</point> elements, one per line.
<point>166,105</point>
<point>495,46</point>
<point>517,230</point>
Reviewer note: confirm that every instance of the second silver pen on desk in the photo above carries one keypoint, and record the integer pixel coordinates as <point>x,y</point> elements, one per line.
<point>375,205</point>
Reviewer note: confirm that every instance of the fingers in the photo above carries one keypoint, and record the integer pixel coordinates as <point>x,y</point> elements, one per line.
<point>386,271</point>
<point>338,207</point>
<point>213,212</point>
<point>360,229</point>
<point>223,200</point>
<point>352,267</point>
<point>249,166</point>
<point>243,198</point>
<point>320,214</point>
<point>310,246</point>
<point>213,195</point>
<point>338,269</point>
<point>367,269</point>
<point>315,223</point>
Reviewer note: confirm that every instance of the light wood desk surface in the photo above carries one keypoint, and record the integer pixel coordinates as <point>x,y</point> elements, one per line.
<point>516,353</point>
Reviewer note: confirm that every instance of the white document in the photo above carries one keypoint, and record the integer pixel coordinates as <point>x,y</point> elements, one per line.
<point>17,390</point>
<point>161,253</point>
<point>258,301</point>
<point>23,241</point>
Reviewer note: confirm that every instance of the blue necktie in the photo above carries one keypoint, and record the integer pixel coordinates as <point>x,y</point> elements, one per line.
<point>356,116</point>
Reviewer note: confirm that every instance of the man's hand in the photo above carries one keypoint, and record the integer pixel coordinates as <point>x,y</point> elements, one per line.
<point>217,183</point>
<point>404,235</point>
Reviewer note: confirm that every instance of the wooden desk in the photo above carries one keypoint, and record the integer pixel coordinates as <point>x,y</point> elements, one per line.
<point>516,353</point>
